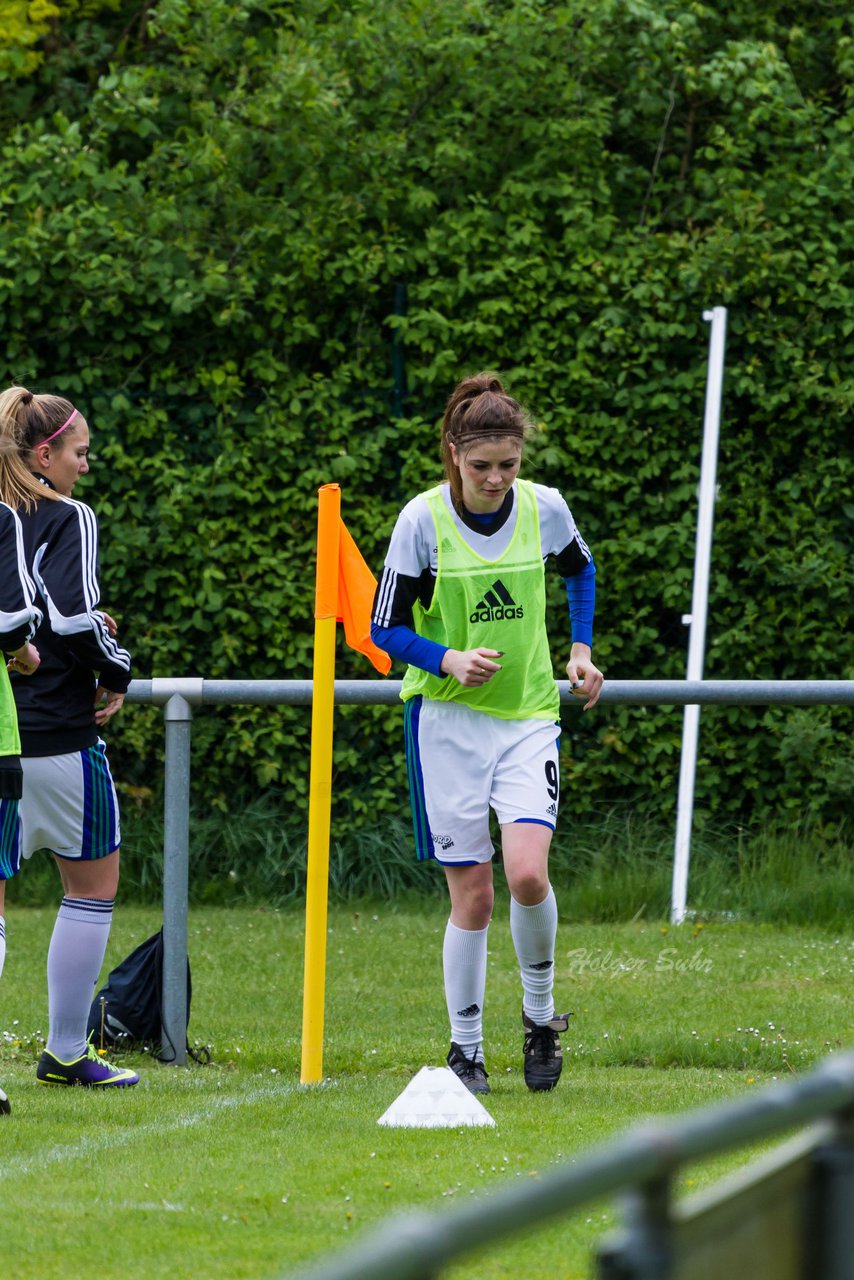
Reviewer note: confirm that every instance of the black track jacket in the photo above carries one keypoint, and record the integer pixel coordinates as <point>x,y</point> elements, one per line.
<point>56,711</point>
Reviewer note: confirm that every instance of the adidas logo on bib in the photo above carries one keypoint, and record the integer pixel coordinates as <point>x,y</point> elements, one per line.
<point>497,604</point>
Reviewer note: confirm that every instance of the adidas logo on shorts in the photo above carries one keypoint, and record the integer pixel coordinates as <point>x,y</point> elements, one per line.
<point>497,605</point>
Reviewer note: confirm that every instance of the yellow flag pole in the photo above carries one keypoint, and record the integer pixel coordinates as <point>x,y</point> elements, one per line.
<point>320,783</point>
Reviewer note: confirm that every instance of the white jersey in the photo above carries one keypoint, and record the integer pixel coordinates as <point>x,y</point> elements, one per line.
<point>412,548</point>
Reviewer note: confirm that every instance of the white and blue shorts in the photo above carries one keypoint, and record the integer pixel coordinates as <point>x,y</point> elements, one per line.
<point>10,838</point>
<point>462,763</point>
<point>69,806</point>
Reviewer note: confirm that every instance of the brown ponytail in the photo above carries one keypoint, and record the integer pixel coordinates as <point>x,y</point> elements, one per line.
<point>479,409</point>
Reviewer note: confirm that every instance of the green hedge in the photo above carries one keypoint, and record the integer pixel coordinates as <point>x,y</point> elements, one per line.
<point>258,243</point>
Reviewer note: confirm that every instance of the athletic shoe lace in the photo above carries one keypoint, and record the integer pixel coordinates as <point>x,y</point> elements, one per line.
<point>467,1068</point>
<point>94,1056</point>
<point>540,1043</point>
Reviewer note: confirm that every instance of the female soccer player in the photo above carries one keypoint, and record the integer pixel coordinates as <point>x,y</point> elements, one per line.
<point>69,801</point>
<point>462,601</point>
<point>18,620</point>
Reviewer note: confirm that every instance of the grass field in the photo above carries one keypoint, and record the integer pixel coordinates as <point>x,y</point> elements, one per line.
<point>235,1170</point>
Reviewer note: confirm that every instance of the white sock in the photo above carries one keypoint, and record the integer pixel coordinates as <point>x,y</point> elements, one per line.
<point>464,963</point>
<point>74,961</point>
<point>2,942</point>
<point>534,930</point>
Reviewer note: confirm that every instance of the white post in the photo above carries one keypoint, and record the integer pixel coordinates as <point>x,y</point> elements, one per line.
<point>699,607</point>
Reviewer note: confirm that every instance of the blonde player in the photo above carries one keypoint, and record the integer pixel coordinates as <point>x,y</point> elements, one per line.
<point>69,800</point>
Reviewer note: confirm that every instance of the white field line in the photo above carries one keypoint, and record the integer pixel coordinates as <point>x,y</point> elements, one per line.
<point>22,1167</point>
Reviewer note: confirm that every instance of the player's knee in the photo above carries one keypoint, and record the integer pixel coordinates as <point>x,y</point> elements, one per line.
<point>528,885</point>
<point>91,879</point>
<point>473,909</point>
<point>482,909</point>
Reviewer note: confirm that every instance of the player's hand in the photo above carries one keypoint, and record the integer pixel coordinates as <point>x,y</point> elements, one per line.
<point>585,679</point>
<point>473,667</point>
<point>107,703</point>
<point>110,623</point>
<point>24,660</point>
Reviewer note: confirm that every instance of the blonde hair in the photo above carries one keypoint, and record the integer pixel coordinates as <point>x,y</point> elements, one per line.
<point>26,420</point>
<point>479,409</point>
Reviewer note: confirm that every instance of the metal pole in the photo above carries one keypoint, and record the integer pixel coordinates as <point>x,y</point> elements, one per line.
<point>733,693</point>
<point>178,715</point>
<point>832,1207</point>
<point>626,693</point>
<point>699,606</point>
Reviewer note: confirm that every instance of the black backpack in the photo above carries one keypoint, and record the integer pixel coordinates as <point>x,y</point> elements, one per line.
<point>126,1013</point>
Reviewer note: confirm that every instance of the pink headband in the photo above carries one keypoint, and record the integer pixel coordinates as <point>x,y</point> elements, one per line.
<point>61,429</point>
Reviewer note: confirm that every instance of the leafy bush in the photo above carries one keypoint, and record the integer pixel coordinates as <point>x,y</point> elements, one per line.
<point>258,243</point>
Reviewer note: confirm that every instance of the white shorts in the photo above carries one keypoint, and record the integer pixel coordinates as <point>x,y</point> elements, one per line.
<point>461,763</point>
<point>70,805</point>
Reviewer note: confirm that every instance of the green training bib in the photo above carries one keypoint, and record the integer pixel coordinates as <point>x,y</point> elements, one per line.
<point>494,604</point>
<point>10,742</point>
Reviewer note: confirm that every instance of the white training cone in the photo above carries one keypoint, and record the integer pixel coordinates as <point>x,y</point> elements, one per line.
<point>435,1099</point>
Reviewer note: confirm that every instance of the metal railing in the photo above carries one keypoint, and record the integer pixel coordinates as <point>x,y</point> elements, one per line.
<point>179,697</point>
<point>663,1241</point>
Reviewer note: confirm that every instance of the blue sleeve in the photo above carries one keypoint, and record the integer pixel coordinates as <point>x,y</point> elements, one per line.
<point>405,645</point>
<point>581,593</point>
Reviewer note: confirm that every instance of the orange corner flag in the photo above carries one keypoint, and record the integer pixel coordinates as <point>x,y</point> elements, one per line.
<point>345,585</point>
<point>356,587</point>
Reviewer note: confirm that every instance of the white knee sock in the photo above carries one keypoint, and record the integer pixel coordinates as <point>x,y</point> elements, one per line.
<point>534,930</point>
<point>2,943</point>
<point>464,962</point>
<point>74,961</point>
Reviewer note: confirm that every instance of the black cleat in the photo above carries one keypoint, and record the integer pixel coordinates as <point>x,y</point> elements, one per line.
<point>5,1108</point>
<point>473,1074</point>
<point>543,1054</point>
